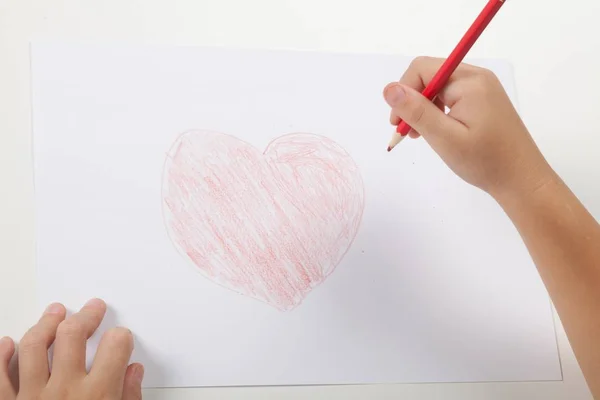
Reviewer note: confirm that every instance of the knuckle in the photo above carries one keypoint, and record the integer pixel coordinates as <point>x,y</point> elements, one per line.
<point>485,78</point>
<point>479,86</point>
<point>119,336</point>
<point>70,327</point>
<point>419,62</point>
<point>34,338</point>
<point>469,68</point>
<point>488,74</point>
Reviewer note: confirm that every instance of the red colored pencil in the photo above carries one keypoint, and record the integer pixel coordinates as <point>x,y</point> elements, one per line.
<point>452,62</point>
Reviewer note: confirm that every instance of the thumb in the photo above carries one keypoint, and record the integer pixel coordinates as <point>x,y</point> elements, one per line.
<point>417,111</point>
<point>132,387</point>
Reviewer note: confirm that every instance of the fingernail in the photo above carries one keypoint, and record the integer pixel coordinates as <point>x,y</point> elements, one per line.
<point>95,303</point>
<point>4,340</point>
<point>394,94</point>
<point>54,308</point>
<point>138,373</point>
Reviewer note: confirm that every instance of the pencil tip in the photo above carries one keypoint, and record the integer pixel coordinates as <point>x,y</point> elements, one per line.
<point>389,149</point>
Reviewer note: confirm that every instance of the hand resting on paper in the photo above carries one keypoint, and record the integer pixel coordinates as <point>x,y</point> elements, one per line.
<point>110,377</point>
<point>484,141</point>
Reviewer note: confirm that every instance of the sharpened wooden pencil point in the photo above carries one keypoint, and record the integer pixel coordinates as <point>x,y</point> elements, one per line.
<point>396,138</point>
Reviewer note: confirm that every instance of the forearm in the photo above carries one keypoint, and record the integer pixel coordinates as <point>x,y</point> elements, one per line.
<point>564,242</point>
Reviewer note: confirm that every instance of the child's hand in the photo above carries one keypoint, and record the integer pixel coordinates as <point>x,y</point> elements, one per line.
<point>109,378</point>
<point>482,139</point>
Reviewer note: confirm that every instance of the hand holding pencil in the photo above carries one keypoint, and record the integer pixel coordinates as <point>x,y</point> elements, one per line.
<point>482,139</point>
<point>449,66</point>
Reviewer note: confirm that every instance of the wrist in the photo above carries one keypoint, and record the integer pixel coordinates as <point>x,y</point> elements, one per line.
<point>526,187</point>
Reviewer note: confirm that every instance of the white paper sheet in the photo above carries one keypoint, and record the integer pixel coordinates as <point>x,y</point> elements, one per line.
<point>389,267</point>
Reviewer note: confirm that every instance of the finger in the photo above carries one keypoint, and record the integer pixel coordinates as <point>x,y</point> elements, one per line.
<point>422,70</point>
<point>438,103</point>
<point>71,338</point>
<point>414,134</point>
<point>132,387</point>
<point>420,113</point>
<point>7,350</point>
<point>33,349</point>
<point>449,97</point>
<point>110,363</point>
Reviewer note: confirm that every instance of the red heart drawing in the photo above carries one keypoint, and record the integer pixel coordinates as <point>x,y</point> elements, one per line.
<point>271,226</point>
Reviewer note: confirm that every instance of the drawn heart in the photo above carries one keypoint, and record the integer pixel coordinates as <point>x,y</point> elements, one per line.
<point>271,226</point>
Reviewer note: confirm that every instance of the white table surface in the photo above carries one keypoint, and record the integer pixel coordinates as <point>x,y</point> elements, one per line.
<point>554,46</point>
